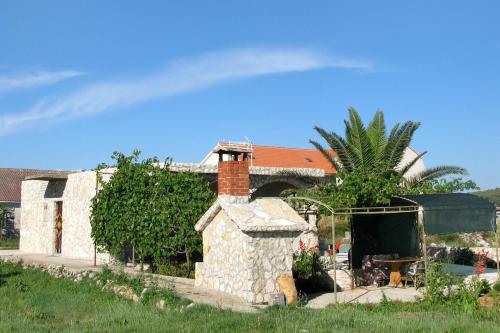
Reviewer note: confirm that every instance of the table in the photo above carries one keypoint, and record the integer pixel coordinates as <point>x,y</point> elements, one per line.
<point>395,277</point>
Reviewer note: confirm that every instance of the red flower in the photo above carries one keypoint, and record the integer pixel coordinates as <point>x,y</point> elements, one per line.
<point>301,244</point>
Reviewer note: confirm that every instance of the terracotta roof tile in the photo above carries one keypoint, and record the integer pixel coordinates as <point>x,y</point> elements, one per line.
<point>10,182</point>
<point>283,157</point>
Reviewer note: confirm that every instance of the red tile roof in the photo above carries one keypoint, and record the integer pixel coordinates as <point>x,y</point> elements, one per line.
<point>10,182</point>
<point>283,157</point>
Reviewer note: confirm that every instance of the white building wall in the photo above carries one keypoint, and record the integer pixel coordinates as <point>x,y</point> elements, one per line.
<point>77,242</point>
<point>410,155</point>
<point>37,234</point>
<point>38,207</point>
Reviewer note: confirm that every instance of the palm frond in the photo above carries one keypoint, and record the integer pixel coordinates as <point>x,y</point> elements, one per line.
<point>377,135</point>
<point>409,165</point>
<point>339,146</point>
<point>326,154</point>
<point>358,140</point>
<point>434,173</point>
<point>399,140</point>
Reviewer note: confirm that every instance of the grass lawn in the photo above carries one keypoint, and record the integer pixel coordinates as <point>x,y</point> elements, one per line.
<point>33,301</point>
<point>9,244</point>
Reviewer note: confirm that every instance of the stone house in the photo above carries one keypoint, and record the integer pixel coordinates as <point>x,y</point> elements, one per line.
<point>247,244</point>
<point>55,217</point>
<point>55,206</point>
<point>10,191</point>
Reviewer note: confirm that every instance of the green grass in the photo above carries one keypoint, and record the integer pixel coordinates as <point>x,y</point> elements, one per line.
<point>7,244</point>
<point>33,301</point>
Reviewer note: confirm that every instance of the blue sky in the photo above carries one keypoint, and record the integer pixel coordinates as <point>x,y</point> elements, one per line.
<point>79,80</point>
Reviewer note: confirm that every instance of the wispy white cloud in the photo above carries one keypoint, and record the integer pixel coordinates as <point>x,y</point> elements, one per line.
<point>178,77</point>
<point>34,79</point>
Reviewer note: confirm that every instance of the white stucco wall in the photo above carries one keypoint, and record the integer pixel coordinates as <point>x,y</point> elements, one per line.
<point>409,155</point>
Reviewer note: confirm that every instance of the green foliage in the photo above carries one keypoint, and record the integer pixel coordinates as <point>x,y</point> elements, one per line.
<point>438,284</point>
<point>165,267</point>
<point>358,188</point>
<point>306,264</point>
<point>371,149</point>
<point>150,207</point>
<point>493,195</point>
<point>61,305</point>
<point>468,292</point>
<point>7,244</point>
<point>6,214</point>
<point>442,186</point>
<point>462,256</point>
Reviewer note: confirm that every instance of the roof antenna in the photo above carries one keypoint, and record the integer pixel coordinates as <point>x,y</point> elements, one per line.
<point>251,148</point>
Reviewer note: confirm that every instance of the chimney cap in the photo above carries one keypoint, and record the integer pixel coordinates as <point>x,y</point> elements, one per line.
<point>230,147</point>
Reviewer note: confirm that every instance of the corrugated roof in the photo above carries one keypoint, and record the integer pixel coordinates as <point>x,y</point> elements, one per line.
<point>284,157</point>
<point>10,181</point>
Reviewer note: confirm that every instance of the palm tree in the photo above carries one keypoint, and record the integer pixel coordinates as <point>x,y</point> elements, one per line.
<point>369,148</point>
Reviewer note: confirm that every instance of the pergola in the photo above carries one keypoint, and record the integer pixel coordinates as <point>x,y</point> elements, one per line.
<point>434,214</point>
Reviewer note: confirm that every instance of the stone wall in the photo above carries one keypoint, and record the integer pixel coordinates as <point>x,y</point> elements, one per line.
<point>38,207</point>
<point>37,218</point>
<point>77,242</point>
<point>245,265</point>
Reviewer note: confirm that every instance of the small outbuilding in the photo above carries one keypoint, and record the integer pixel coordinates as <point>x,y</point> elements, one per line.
<point>247,245</point>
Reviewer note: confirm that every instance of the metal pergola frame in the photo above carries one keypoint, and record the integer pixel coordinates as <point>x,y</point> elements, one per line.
<point>363,211</point>
<point>381,211</point>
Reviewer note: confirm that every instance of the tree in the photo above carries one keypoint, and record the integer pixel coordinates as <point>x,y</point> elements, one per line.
<point>371,149</point>
<point>443,186</point>
<point>149,207</point>
<point>6,214</point>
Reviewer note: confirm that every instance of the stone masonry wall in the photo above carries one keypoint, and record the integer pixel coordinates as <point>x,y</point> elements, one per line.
<point>271,257</point>
<point>245,265</point>
<point>37,234</point>
<point>226,263</point>
<point>77,242</point>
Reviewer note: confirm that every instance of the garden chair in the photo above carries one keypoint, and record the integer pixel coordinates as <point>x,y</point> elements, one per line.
<point>415,273</point>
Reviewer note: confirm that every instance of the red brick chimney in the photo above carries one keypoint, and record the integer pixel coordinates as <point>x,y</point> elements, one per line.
<point>233,170</point>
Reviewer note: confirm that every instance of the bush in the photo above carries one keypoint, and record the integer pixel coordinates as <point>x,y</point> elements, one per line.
<point>468,293</point>
<point>164,267</point>
<point>306,264</point>
<point>438,283</point>
<point>462,256</point>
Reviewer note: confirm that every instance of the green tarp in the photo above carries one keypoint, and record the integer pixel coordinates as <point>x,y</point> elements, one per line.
<point>384,234</point>
<point>454,212</point>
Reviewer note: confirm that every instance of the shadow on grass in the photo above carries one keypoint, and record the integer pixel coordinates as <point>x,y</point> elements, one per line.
<point>3,276</point>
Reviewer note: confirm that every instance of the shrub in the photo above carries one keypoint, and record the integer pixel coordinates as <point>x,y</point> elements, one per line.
<point>164,267</point>
<point>468,292</point>
<point>462,256</point>
<point>496,286</point>
<point>438,282</point>
<point>306,264</point>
